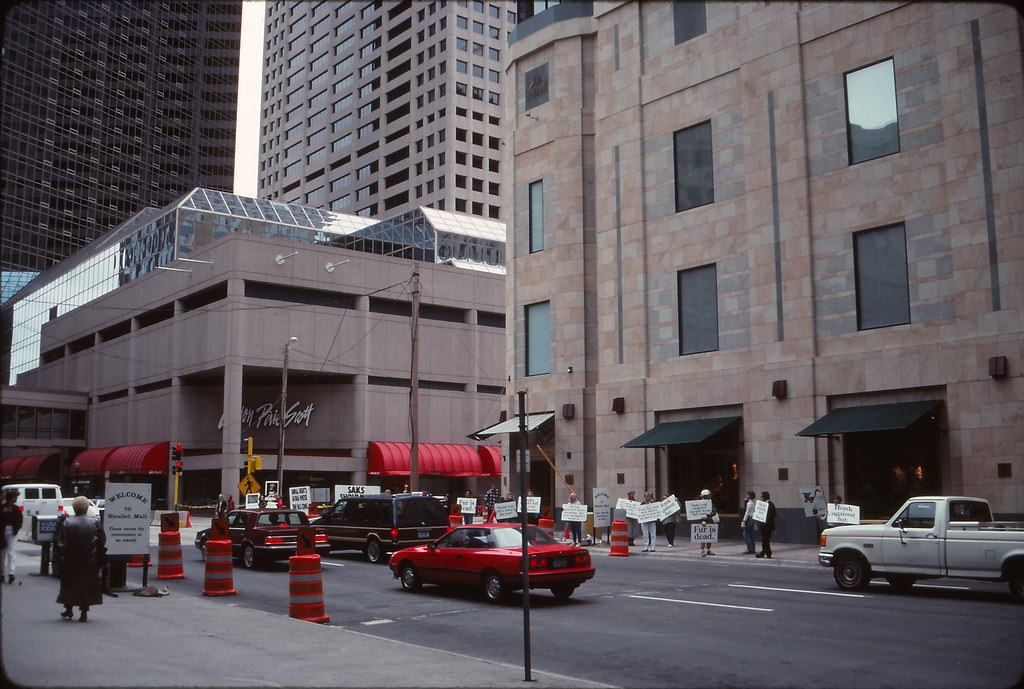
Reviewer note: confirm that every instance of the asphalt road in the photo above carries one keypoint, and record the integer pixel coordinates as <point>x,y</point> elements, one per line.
<point>663,621</point>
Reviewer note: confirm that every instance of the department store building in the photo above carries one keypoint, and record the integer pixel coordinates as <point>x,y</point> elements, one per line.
<point>174,329</point>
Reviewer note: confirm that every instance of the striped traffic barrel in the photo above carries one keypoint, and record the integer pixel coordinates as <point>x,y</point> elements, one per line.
<point>219,573</point>
<point>454,520</point>
<point>547,526</point>
<point>306,590</point>
<point>168,564</point>
<point>620,538</point>
<point>137,561</point>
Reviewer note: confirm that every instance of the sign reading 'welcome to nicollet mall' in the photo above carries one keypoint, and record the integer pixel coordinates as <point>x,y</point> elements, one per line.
<point>268,414</point>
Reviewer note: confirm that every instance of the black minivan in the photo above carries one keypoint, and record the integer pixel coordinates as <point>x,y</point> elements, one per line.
<point>381,524</point>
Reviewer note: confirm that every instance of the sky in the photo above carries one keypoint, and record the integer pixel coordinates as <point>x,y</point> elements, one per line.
<point>247,135</point>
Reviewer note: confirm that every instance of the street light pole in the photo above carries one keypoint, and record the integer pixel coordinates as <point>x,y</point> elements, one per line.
<point>280,424</point>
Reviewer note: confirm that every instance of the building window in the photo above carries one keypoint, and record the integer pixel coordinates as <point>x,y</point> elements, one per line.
<point>536,216</point>
<point>689,19</point>
<point>538,338</point>
<point>536,86</point>
<point>880,263</point>
<point>872,123</point>
<point>698,310</point>
<point>695,183</point>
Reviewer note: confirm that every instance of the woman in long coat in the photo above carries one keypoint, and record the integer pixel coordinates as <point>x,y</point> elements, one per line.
<point>81,548</point>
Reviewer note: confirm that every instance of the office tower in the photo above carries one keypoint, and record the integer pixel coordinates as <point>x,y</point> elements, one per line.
<point>109,107</point>
<point>377,108</point>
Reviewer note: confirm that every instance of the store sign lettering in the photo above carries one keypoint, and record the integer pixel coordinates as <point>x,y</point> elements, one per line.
<point>269,414</point>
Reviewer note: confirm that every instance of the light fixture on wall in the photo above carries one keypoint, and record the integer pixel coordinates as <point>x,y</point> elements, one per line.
<point>779,389</point>
<point>618,404</point>
<point>997,366</point>
<point>569,370</point>
<point>331,266</point>
<point>568,411</point>
<point>280,259</point>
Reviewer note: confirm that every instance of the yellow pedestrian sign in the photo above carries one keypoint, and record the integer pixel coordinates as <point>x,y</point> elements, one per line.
<point>249,485</point>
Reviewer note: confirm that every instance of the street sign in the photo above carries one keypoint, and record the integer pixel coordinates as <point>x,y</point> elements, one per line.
<point>249,484</point>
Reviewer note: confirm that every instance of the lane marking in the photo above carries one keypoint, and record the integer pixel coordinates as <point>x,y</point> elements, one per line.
<point>332,564</point>
<point>697,602</point>
<point>937,586</point>
<point>817,593</point>
<point>369,623</point>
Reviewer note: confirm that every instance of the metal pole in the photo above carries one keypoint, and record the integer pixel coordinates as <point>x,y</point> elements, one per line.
<point>524,526</point>
<point>414,384</point>
<point>284,409</point>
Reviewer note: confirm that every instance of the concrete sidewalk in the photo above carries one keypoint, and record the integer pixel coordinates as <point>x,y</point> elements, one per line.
<point>189,641</point>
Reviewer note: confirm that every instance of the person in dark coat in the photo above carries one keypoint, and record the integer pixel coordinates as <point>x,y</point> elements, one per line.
<point>10,524</point>
<point>767,527</point>
<point>81,548</point>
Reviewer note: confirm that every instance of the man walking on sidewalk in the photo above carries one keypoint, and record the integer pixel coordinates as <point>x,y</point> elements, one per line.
<point>767,527</point>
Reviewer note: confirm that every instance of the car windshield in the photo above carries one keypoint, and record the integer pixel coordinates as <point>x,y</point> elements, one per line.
<point>511,537</point>
<point>281,519</point>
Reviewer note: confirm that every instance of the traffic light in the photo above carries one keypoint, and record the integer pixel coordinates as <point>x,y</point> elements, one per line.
<point>176,463</point>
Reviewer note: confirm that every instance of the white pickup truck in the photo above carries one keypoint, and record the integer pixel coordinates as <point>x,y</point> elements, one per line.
<point>928,537</point>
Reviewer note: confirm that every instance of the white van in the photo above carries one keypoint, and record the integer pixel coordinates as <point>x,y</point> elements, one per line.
<point>44,499</point>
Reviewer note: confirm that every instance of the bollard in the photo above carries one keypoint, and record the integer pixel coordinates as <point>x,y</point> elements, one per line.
<point>306,592</point>
<point>169,565</point>
<point>619,539</point>
<point>219,573</point>
<point>547,526</point>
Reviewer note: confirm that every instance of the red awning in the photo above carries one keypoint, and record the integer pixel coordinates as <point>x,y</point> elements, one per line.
<point>151,458</point>
<point>434,459</point>
<point>91,462</point>
<point>490,458</point>
<point>7,467</point>
<point>37,466</point>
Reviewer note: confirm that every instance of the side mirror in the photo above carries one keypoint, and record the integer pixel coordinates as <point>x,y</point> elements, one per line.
<point>431,546</point>
<point>898,524</point>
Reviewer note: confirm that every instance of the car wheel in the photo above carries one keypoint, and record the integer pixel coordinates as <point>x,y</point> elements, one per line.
<point>851,573</point>
<point>901,582</point>
<point>248,556</point>
<point>1017,584</point>
<point>408,576</point>
<point>494,587</point>
<point>563,591</point>
<point>374,551</point>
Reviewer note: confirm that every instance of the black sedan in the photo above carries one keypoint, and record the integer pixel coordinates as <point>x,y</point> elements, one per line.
<point>264,535</point>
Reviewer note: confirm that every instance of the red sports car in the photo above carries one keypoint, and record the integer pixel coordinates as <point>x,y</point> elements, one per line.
<point>489,556</point>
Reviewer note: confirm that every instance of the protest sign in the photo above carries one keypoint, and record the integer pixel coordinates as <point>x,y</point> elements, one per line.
<point>252,501</point>
<point>532,504</point>
<point>574,512</point>
<point>704,533</point>
<point>698,509</point>
<point>505,510</point>
<point>298,498</point>
<point>629,506</point>
<point>343,490</point>
<point>648,512</point>
<point>468,508</point>
<point>669,506</point>
<point>813,500</point>
<point>843,514</point>
<point>760,511</point>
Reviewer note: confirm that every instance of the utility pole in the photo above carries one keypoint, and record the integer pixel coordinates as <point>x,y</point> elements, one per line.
<point>414,384</point>
<point>280,425</point>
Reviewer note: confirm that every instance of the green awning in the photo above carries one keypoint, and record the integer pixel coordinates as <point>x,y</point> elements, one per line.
<point>682,432</point>
<point>872,417</point>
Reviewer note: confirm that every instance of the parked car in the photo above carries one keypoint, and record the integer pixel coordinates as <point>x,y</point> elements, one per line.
<point>264,535</point>
<point>380,524</point>
<point>928,537</point>
<point>42,499</point>
<point>489,557</point>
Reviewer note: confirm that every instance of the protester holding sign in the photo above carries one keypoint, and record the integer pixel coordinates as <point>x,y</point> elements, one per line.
<point>710,518</point>
<point>648,528</point>
<point>767,524</point>
<point>669,522</point>
<point>575,528</point>
<point>632,524</point>
<point>747,522</point>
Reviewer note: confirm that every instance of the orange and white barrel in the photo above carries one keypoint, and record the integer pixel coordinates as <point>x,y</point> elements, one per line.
<point>168,564</point>
<point>306,589</point>
<point>454,520</point>
<point>620,538</point>
<point>137,561</point>
<point>547,526</point>
<point>220,579</point>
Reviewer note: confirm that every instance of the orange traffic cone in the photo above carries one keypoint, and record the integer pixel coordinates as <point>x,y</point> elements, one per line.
<point>188,520</point>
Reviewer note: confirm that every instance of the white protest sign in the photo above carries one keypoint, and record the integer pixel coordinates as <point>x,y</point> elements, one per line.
<point>252,501</point>
<point>760,511</point>
<point>843,514</point>
<point>602,508</point>
<point>813,500</point>
<point>670,506</point>
<point>505,510</point>
<point>468,506</point>
<point>126,518</point>
<point>298,498</point>
<point>342,490</point>
<point>649,512</point>
<point>532,504</point>
<point>698,509</point>
<point>574,512</point>
<point>630,507</point>
<point>270,488</point>
<point>704,533</point>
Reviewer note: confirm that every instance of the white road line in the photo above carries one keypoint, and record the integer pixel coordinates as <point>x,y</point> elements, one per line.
<point>937,586</point>
<point>332,564</point>
<point>369,623</point>
<point>817,593</point>
<point>697,602</point>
